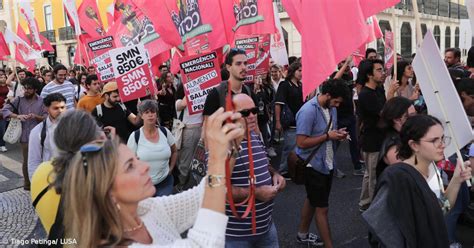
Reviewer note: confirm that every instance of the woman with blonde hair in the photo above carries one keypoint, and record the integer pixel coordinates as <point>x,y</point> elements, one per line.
<point>107,196</point>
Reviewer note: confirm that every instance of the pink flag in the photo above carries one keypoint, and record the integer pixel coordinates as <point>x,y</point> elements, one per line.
<point>89,18</point>
<point>175,62</point>
<point>358,55</point>
<point>374,29</point>
<point>71,10</point>
<point>27,13</point>
<point>293,8</point>
<point>45,44</point>
<point>249,17</point>
<point>199,22</point>
<point>80,57</point>
<point>23,51</point>
<point>132,27</point>
<point>4,50</point>
<point>330,31</point>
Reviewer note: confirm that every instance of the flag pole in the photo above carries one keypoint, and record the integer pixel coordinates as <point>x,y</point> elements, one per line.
<point>419,35</point>
<point>394,30</point>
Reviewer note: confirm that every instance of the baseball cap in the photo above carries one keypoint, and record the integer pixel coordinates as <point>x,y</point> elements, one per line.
<point>109,87</point>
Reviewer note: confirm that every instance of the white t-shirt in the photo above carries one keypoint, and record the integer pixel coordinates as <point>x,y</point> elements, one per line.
<point>156,154</point>
<point>433,181</point>
<point>188,119</point>
<point>20,90</point>
<point>329,150</point>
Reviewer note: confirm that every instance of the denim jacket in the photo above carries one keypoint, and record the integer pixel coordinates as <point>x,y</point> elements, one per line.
<point>310,121</point>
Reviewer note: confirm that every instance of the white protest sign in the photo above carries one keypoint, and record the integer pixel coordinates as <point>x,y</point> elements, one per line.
<point>440,94</point>
<point>277,42</point>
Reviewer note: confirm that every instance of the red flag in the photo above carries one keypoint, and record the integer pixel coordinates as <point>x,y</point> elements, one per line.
<point>4,50</point>
<point>80,57</point>
<point>249,17</point>
<point>293,8</point>
<point>374,29</point>
<point>89,18</point>
<point>358,55</point>
<point>134,27</point>
<point>45,44</point>
<point>175,62</point>
<point>341,28</point>
<point>22,51</point>
<point>189,21</point>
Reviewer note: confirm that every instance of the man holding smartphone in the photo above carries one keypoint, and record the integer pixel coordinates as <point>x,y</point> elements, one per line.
<point>316,124</point>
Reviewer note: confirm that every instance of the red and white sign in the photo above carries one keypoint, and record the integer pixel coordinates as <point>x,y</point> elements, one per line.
<point>277,44</point>
<point>132,72</point>
<point>257,49</point>
<point>98,51</point>
<point>200,73</point>
<point>388,57</point>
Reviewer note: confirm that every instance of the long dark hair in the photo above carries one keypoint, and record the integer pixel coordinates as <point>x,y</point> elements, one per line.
<point>401,65</point>
<point>393,109</point>
<point>414,129</point>
<point>291,70</point>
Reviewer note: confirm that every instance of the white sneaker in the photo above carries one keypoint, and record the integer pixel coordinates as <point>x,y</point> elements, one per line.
<point>3,149</point>
<point>271,152</point>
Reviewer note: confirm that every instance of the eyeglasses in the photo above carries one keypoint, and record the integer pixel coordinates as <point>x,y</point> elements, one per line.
<point>246,112</point>
<point>382,70</point>
<point>90,148</point>
<point>446,140</point>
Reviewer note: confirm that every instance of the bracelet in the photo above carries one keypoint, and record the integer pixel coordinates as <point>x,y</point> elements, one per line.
<point>214,181</point>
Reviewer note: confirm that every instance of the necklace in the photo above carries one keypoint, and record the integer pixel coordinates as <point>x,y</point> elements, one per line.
<point>134,228</point>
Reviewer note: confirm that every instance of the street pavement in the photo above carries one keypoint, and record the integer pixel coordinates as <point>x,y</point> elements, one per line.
<point>18,220</point>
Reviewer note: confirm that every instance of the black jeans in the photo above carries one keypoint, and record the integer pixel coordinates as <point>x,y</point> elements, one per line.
<point>349,123</point>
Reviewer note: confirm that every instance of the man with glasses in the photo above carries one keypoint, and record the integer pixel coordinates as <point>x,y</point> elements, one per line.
<point>371,101</point>
<point>268,184</point>
<point>62,86</point>
<point>29,109</point>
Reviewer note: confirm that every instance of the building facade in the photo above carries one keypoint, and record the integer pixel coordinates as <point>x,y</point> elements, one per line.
<point>440,16</point>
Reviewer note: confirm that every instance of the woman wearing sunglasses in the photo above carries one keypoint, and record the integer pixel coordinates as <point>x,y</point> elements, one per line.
<point>108,196</point>
<point>410,199</point>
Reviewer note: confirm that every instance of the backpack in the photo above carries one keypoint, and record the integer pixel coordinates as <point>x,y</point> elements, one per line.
<point>100,113</point>
<point>136,133</point>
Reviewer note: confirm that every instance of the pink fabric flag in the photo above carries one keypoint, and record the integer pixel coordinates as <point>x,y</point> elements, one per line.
<point>71,10</point>
<point>45,44</point>
<point>89,18</point>
<point>199,22</point>
<point>23,52</point>
<point>132,26</point>
<point>374,29</point>
<point>330,31</point>
<point>4,50</point>
<point>175,62</point>
<point>27,14</point>
<point>293,8</point>
<point>358,55</point>
<point>80,57</point>
<point>249,17</point>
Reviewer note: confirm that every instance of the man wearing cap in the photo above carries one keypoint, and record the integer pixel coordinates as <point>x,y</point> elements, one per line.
<point>93,96</point>
<point>114,113</point>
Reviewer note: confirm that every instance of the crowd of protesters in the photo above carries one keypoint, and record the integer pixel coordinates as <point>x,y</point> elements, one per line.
<point>81,144</point>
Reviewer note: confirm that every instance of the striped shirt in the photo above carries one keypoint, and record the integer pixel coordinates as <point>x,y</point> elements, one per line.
<point>66,89</point>
<point>243,227</point>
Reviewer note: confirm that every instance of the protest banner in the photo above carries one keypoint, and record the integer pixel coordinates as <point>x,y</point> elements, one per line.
<point>388,51</point>
<point>200,74</point>
<point>465,36</point>
<point>277,45</point>
<point>257,49</point>
<point>97,49</point>
<point>440,94</point>
<point>132,72</point>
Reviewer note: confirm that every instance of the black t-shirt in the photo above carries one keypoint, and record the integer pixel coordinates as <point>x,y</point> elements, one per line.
<point>212,103</point>
<point>391,138</point>
<point>291,95</point>
<point>115,117</point>
<point>370,104</point>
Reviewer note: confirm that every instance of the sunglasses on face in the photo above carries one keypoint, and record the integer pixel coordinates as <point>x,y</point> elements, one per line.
<point>90,148</point>
<point>246,112</point>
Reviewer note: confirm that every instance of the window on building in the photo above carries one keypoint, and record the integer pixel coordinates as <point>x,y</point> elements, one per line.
<point>447,37</point>
<point>423,30</point>
<point>405,39</point>
<point>48,17</point>
<point>384,25</point>
<point>456,37</point>
<point>437,35</point>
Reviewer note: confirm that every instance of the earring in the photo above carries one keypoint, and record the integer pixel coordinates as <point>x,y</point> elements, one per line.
<point>118,206</point>
<point>416,160</point>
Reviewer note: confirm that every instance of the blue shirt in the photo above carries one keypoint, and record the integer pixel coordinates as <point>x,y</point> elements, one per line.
<point>310,121</point>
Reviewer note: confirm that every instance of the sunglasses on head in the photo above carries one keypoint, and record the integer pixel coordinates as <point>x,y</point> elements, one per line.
<point>90,148</point>
<point>235,49</point>
<point>246,112</point>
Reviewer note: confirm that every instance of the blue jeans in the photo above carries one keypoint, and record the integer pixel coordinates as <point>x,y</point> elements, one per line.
<point>165,187</point>
<point>268,239</point>
<point>451,219</point>
<point>3,124</point>
<point>290,144</point>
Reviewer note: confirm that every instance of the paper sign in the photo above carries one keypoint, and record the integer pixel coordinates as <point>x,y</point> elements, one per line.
<point>132,72</point>
<point>97,49</point>
<point>389,52</point>
<point>257,49</point>
<point>440,95</point>
<point>200,74</point>
<point>278,46</point>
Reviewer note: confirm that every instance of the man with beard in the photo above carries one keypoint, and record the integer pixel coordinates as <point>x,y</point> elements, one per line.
<point>114,113</point>
<point>317,127</point>
<point>30,111</point>
<point>236,64</point>
<point>371,101</point>
<point>61,85</point>
<point>41,142</point>
<point>16,88</point>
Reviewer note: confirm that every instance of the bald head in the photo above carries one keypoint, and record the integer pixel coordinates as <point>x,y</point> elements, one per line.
<point>242,101</point>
